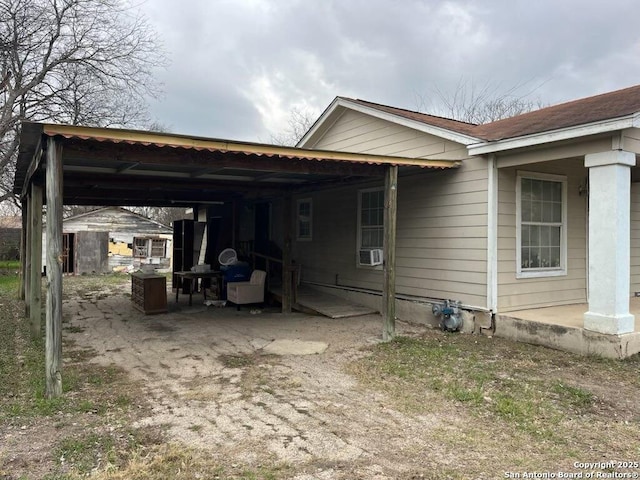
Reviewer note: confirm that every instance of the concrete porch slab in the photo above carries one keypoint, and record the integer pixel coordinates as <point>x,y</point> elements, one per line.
<point>561,328</point>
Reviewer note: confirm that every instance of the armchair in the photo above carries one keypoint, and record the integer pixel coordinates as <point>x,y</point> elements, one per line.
<point>242,293</point>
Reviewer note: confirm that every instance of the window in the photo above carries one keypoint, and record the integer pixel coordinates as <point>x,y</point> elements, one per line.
<point>541,225</point>
<point>158,247</point>
<point>303,219</point>
<point>140,247</point>
<point>149,247</point>
<point>370,219</point>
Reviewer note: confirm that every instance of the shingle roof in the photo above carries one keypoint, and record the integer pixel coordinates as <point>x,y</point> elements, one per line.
<point>588,110</point>
<point>442,122</point>
<point>606,106</point>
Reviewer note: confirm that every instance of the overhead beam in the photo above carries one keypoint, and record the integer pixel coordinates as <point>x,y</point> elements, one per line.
<point>206,171</point>
<point>122,182</point>
<point>150,155</point>
<point>106,136</point>
<point>33,167</point>
<point>127,166</point>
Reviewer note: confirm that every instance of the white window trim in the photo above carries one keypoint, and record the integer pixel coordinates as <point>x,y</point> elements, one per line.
<point>359,229</point>
<point>298,236</point>
<point>547,272</point>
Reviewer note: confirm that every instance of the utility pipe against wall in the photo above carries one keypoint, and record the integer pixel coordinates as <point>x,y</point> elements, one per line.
<point>449,313</point>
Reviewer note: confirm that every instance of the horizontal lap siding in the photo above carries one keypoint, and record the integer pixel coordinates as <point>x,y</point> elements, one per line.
<point>442,218</point>
<point>442,235</point>
<point>514,293</point>
<point>359,133</point>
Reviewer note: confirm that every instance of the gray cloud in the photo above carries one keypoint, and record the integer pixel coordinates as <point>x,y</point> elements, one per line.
<point>240,66</point>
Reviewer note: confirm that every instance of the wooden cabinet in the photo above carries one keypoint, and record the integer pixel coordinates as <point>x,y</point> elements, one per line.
<point>149,292</point>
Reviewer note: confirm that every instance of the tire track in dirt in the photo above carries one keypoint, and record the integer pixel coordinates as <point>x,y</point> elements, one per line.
<point>302,410</point>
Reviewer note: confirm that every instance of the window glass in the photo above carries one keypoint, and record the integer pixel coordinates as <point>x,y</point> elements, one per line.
<point>371,219</point>
<point>541,224</point>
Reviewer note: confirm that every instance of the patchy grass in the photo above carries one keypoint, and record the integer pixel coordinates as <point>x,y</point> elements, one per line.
<point>495,406</point>
<point>84,432</point>
<point>100,400</point>
<point>179,462</point>
<point>237,361</point>
<point>502,391</point>
<point>13,265</point>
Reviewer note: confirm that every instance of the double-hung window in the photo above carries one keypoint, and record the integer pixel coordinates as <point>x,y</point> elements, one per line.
<point>304,219</point>
<point>370,219</point>
<point>541,218</point>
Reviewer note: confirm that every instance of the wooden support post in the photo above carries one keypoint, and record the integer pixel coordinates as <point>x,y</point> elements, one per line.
<point>389,284</point>
<point>23,250</point>
<point>27,256</point>
<point>235,223</point>
<point>286,255</point>
<point>53,360</point>
<point>35,251</point>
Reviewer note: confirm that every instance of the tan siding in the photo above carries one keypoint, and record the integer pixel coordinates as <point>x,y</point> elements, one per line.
<point>442,219</point>
<point>514,293</point>
<point>357,132</point>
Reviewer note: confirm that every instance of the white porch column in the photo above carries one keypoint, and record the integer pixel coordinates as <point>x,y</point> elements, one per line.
<point>609,242</point>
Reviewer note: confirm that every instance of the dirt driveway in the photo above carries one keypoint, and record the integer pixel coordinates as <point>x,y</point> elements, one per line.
<point>212,384</point>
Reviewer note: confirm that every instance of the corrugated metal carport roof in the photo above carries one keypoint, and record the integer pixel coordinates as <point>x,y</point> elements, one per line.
<point>126,167</point>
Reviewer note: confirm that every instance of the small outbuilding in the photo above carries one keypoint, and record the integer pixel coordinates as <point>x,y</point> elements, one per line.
<point>113,238</point>
<point>10,231</point>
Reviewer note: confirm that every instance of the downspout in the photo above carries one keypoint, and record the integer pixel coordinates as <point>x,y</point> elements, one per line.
<point>492,237</point>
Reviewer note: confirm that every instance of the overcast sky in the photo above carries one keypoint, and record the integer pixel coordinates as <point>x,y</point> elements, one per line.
<point>238,67</point>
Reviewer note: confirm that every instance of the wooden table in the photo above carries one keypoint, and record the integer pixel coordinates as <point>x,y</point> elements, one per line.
<point>193,278</point>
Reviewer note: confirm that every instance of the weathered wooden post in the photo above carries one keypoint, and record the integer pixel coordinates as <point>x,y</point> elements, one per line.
<point>26,272</point>
<point>53,360</point>
<point>35,252</point>
<point>23,249</point>
<point>286,255</point>
<point>389,253</point>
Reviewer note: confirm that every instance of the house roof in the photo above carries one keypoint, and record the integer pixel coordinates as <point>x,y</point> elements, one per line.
<point>161,227</point>
<point>595,110</point>
<point>442,122</point>
<point>11,221</point>
<point>620,103</point>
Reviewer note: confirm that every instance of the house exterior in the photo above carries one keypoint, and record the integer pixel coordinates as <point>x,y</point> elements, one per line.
<point>541,212</point>
<point>533,212</point>
<point>113,238</point>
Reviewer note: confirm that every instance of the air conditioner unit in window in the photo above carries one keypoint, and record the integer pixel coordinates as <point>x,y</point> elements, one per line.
<point>371,257</point>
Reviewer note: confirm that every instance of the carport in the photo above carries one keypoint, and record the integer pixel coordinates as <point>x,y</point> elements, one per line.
<point>61,164</point>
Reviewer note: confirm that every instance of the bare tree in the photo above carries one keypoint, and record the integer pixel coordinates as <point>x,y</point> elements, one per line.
<point>300,121</point>
<point>86,62</point>
<point>471,103</point>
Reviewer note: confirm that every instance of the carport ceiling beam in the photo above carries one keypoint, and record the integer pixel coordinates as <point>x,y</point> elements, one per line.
<point>137,183</point>
<point>163,158</point>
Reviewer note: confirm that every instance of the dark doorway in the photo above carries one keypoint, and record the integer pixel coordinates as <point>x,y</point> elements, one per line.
<point>68,252</point>
<point>262,227</point>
